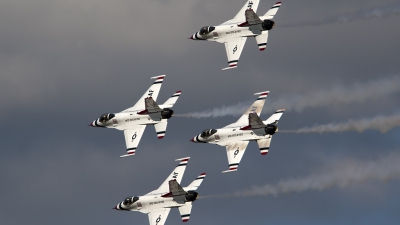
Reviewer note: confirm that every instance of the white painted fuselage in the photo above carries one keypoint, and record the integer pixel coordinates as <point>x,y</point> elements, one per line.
<point>224,33</point>
<point>125,120</point>
<point>149,203</point>
<point>224,136</point>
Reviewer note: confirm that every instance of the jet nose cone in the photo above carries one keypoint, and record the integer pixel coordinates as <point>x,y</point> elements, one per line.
<point>91,124</point>
<point>191,37</point>
<point>116,207</point>
<point>192,140</point>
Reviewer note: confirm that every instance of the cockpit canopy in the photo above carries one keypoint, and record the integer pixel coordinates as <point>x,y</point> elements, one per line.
<point>130,200</point>
<point>106,117</point>
<point>207,133</point>
<point>206,30</point>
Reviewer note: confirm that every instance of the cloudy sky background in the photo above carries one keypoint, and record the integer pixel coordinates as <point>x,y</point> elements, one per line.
<point>64,63</point>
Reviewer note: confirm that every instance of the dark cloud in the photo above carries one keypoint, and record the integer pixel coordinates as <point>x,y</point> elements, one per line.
<point>64,63</point>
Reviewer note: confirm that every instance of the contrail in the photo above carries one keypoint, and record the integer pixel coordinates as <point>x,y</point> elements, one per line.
<point>358,93</point>
<point>381,123</point>
<point>340,174</point>
<point>363,14</point>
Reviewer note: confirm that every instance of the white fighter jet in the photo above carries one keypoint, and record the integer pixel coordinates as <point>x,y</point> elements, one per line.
<point>145,112</point>
<point>170,194</point>
<point>234,33</point>
<point>236,136</point>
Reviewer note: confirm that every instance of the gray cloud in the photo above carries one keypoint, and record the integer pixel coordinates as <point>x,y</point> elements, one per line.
<point>381,123</point>
<point>343,174</point>
<point>375,12</point>
<point>357,93</point>
<point>64,63</point>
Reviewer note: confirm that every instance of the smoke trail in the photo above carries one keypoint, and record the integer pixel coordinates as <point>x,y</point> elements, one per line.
<point>358,93</point>
<point>364,14</point>
<point>340,174</point>
<point>381,123</point>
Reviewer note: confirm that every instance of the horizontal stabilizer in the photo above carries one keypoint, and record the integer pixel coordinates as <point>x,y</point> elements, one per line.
<point>274,9</point>
<point>264,144</point>
<point>161,128</point>
<point>262,40</point>
<point>172,100</point>
<point>275,117</point>
<point>185,211</point>
<point>196,183</point>
<point>230,67</point>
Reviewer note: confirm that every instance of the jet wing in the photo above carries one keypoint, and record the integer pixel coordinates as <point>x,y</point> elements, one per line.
<point>158,216</point>
<point>132,138</point>
<point>240,17</point>
<point>151,92</point>
<point>176,174</point>
<point>234,48</point>
<point>235,151</point>
<point>255,107</point>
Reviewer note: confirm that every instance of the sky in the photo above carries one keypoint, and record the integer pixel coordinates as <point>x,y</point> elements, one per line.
<point>332,64</point>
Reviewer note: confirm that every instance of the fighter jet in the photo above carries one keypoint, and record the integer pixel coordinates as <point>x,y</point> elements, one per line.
<point>134,120</point>
<point>236,136</point>
<point>170,194</point>
<point>234,33</point>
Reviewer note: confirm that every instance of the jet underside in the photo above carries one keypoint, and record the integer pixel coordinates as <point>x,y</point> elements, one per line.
<point>123,121</point>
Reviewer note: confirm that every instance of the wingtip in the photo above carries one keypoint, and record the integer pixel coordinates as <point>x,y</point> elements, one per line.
<point>228,171</point>
<point>262,93</point>
<point>158,77</point>
<point>228,68</point>
<point>123,156</point>
<point>183,159</point>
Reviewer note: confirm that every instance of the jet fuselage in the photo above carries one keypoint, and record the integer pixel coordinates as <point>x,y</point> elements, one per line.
<point>122,121</point>
<point>148,203</point>
<point>223,33</point>
<point>225,135</point>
